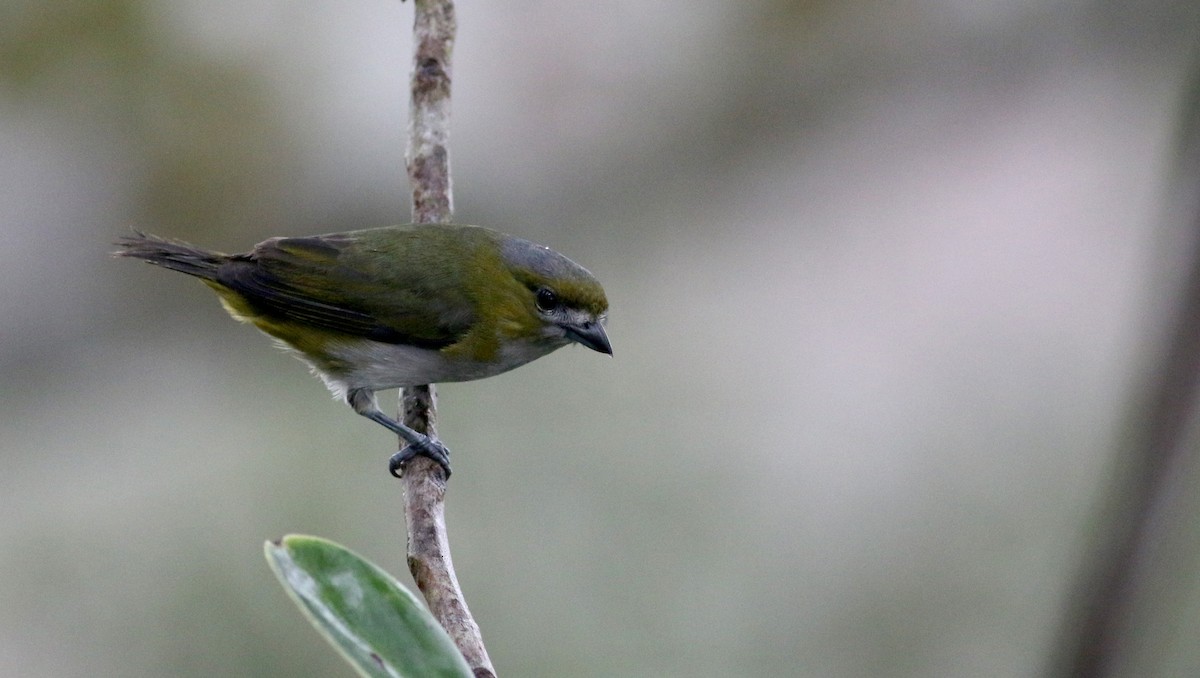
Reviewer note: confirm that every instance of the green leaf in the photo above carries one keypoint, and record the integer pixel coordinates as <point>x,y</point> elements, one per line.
<point>377,624</point>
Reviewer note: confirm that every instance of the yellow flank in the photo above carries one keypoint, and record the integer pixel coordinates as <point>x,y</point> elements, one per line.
<point>307,340</point>
<point>234,303</point>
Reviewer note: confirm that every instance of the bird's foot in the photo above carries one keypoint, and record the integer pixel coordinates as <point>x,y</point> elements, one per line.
<point>427,447</point>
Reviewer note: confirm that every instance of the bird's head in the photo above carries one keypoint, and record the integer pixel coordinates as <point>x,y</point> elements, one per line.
<point>561,300</point>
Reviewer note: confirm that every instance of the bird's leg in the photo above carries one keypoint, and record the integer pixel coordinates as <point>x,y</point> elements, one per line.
<point>419,445</point>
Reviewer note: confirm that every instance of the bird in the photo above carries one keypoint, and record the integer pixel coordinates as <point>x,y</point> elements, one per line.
<point>399,306</point>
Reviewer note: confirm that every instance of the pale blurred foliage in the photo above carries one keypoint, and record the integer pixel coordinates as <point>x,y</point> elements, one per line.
<point>884,277</point>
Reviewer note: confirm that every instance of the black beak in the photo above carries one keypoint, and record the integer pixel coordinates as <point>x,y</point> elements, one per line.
<point>590,334</point>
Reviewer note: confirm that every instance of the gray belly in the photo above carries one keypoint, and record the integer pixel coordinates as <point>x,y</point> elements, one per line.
<point>378,366</point>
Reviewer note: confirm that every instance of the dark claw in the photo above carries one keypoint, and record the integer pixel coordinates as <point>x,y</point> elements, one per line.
<point>433,449</point>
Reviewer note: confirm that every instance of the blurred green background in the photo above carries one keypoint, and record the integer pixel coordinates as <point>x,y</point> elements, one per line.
<point>885,277</point>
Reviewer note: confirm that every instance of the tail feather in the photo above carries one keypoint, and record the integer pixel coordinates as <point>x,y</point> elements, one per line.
<point>176,256</point>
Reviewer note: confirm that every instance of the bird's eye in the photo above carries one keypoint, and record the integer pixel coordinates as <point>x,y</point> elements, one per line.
<point>547,300</point>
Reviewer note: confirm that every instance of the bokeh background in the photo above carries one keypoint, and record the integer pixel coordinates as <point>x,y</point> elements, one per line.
<point>886,278</point>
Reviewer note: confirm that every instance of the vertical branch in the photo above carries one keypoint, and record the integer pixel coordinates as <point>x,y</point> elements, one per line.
<point>1096,638</point>
<point>428,163</point>
<point>429,112</point>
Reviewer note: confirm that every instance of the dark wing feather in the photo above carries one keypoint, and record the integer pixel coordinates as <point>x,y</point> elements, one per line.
<point>343,284</point>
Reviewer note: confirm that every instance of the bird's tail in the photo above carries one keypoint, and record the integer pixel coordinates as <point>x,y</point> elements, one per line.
<point>173,255</point>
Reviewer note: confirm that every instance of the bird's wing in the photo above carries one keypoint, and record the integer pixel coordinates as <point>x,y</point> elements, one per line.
<point>369,286</point>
